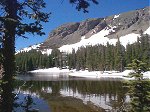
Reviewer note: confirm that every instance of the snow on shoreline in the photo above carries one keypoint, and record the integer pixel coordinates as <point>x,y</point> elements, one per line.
<point>106,74</point>
<point>92,74</point>
<point>50,70</point>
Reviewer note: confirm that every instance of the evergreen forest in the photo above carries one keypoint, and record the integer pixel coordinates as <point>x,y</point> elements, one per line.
<point>98,57</point>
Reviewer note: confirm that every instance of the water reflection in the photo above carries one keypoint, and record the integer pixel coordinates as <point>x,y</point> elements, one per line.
<point>30,103</point>
<point>67,94</point>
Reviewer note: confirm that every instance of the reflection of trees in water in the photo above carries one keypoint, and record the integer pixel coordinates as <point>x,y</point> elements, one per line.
<point>28,103</point>
<point>111,90</point>
<point>107,89</point>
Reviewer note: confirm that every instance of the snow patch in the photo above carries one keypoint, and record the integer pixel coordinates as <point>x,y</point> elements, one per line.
<point>93,40</point>
<point>147,31</point>
<point>106,74</point>
<point>46,51</point>
<point>50,70</point>
<point>116,16</point>
<point>27,49</point>
<point>92,74</point>
<point>100,38</point>
<point>111,29</point>
<point>129,39</point>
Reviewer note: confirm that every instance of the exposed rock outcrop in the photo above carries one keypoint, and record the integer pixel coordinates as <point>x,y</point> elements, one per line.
<point>118,25</point>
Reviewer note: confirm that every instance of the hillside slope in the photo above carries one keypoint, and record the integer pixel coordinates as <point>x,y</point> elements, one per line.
<point>126,26</point>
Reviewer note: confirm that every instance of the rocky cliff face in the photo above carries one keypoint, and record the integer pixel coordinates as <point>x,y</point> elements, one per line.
<point>119,25</point>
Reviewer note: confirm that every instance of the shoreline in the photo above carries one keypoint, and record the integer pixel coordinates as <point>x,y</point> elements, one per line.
<point>91,74</point>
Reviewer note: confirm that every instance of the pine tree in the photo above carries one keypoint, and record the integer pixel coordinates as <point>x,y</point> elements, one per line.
<point>71,60</point>
<point>145,46</point>
<point>103,58</point>
<point>119,58</point>
<point>109,57</point>
<point>55,56</point>
<point>29,65</point>
<point>90,58</point>
<point>139,89</point>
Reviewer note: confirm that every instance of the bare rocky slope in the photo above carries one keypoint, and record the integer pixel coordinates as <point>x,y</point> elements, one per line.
<point>118,25</point>
<point>122,24</point>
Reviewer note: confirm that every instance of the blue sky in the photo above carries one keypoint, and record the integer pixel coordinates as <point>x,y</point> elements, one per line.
<point>64,13</point>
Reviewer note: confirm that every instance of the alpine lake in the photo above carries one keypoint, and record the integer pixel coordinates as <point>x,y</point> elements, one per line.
<point>62,93</point>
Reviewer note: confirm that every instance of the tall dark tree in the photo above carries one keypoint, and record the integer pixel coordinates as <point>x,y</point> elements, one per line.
<point>109,57</point>
<point>138,88</point>
<point>72,60</point>
<point>119,60</point>
<point>8,43</point>
<point>55,57</point>
<point>145,48</point>
<point>12,25</point>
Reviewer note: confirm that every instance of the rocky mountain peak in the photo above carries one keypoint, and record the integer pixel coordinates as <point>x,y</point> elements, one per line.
<point>118,25</point>
<point>112,27</point>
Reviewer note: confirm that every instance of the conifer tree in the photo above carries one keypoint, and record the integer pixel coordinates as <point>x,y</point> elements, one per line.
<point>103,58</point>
<point>55,57</point>
<point>109,57</point>
<point>119,59</point>
<point>71,60</point>
<point>12,24</point>
<point>139,88</point>
<point>145,46</point>
<point>90,58</point>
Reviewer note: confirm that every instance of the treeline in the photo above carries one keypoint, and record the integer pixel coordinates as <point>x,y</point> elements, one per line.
<point>110,57</point>
<point>98,57</point>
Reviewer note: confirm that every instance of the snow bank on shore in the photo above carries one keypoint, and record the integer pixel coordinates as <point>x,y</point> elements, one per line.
<point>92,74</point>
<point>106,74</point>
<point>100,74</point>
<point>50,70</point>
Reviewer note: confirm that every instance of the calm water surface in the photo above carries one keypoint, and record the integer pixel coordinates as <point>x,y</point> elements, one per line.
<point>69,94</point>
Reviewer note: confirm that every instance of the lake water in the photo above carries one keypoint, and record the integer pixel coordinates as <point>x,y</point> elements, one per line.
<point>70,94</point>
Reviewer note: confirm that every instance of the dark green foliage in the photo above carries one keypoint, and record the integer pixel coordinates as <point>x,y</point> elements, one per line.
<point>56,57</point>
<point>119,56</point>
<point>25,9</point>
<point>31,60</point>
<point>110,57</point>
<point>13,23</point>
<point>139,50</point>
<point>139,89</point>
<point>98,57</point>
<point>83,4</point>
<point>27,61</point>
<point>80,58</point>
<point>72,60</point>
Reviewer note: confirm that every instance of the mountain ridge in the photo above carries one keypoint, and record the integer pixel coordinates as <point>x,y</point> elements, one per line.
<point>115,26</point>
